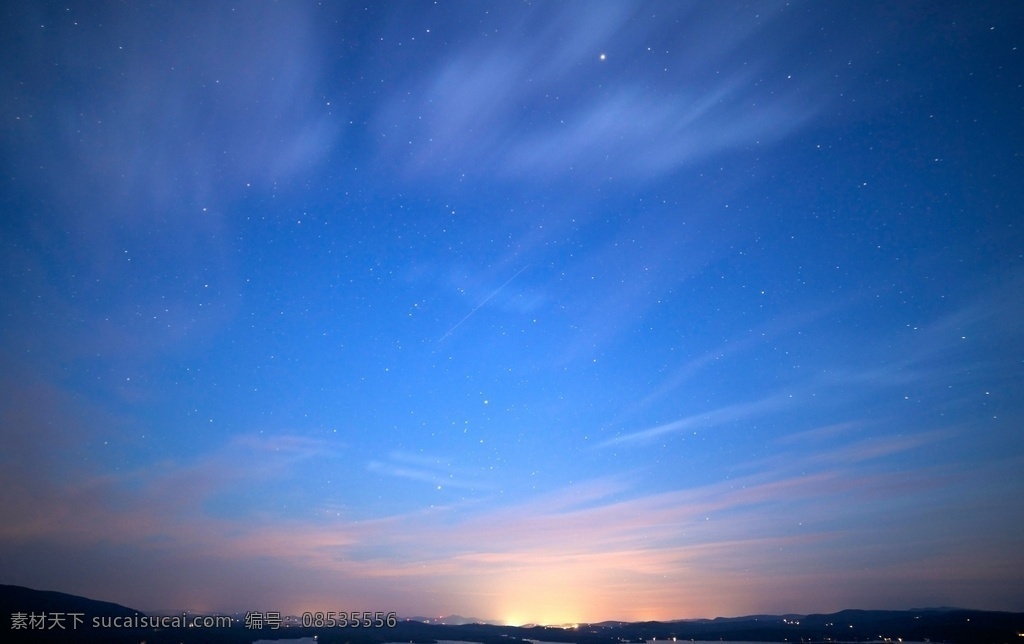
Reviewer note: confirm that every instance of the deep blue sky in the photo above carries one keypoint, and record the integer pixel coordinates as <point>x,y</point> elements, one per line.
<point>540,312</point>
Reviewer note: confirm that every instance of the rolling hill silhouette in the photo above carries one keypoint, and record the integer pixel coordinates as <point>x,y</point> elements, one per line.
<point>936,624</point>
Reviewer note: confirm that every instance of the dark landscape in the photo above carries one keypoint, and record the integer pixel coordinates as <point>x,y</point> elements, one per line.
<point>943,624</point>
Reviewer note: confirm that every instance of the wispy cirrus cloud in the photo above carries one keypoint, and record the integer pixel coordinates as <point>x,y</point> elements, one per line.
<point>140,172</point>
<point>435,470</point>
<point>184,121</point>
<point>705,420</point>
<point>554,106</point>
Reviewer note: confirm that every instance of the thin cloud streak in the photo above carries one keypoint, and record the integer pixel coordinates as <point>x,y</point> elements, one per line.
<point>436,476</point>
<point>706,420</point>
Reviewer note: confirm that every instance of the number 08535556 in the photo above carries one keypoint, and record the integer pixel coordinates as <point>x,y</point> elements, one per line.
<point>347,619</point>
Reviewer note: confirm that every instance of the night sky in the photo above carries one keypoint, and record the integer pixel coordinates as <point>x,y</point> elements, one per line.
<point>534,312</point>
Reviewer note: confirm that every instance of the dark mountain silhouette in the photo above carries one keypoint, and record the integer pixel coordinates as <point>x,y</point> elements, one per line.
<point>18,598</point>
<point>952,625</point>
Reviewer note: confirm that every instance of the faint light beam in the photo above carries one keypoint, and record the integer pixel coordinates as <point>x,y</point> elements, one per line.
<point>486,299</point>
